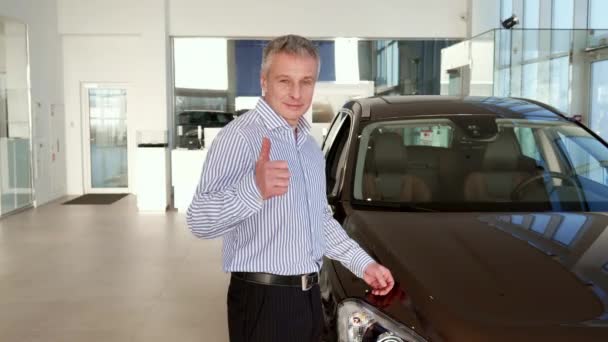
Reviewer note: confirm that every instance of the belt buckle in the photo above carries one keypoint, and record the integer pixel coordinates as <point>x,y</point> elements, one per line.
<point>306,282</point>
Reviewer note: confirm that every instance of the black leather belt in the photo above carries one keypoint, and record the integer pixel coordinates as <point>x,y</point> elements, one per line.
<point>305,281</point>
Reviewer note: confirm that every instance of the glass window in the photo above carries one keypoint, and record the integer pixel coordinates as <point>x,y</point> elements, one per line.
<point>336,156</point>
<point>598,18</point>
<point>432,135</point>
<point>599,98</point>
<point>531,21</point>
<point>201,63</point>
<point>563,14</point>
<point>387,63</point>
<point>506,9</point>
<point>531,14</point>
<point>560,84</point>
<point>503,81</point>
<point>582,163</point>
<point>527,143</point>
<point>222,74</point>
<point>529,83</point>
<point>499,164</point>
<point>563,21</point>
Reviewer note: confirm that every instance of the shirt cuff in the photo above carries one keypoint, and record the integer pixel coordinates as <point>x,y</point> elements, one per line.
<point>249,194</point>
<point>359,262</point>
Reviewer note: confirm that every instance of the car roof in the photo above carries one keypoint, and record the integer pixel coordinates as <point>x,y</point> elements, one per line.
<point>388,107</point>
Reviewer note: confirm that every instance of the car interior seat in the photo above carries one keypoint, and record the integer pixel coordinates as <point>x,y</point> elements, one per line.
<point>503,169</point>
<point>386,176</point>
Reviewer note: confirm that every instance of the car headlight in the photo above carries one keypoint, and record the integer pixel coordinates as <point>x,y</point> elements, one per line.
<point>361,322</point>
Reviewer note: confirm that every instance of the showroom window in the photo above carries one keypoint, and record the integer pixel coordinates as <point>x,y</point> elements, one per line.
<point>599,98</point>
<point>16,183</point>
<point>560,84</point>
<point>387,59</point>
<point>223,75</point>
<point>562,21</point>
<point>563,14</point>
<point>201,63</point>
<point>529,83</point>
<point>506,9</point>
<point>347,67</point>
<point>598,14</point>
<point>531,22</point>
<point>502,85</point>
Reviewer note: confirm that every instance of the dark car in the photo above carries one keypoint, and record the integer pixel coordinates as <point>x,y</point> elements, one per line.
<point>190,120</point>
<point>491,213</point>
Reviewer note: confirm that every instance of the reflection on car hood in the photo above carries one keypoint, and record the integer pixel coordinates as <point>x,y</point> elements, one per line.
<point>532,269</point>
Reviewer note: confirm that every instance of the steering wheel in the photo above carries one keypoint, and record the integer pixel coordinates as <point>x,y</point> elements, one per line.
<point>546,176</point>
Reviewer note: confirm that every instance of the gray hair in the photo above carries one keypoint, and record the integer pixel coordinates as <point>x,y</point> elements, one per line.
<point>290,44</point>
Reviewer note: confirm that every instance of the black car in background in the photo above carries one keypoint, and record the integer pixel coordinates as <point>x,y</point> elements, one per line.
<point>491,213</point>
<point>191,120</point>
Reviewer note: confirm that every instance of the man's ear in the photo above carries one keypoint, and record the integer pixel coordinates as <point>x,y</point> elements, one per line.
<point>263,83</point>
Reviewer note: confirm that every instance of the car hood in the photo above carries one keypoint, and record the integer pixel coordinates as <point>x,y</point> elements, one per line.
<point>489,272</point>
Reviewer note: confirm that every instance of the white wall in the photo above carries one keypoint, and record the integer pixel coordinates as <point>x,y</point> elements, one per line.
<point>482,66</point>
<point>453,57</point>
<point>114,46</point>
<point>46,90</point>
<point>319,18</point>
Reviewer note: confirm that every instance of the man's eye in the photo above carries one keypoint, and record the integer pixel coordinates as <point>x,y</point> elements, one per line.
<point>284,81</point>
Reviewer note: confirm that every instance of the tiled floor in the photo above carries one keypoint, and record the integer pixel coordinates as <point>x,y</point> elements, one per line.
<point>108,273</point>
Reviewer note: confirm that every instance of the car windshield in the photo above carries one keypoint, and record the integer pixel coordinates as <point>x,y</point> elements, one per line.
<point>480,163</point>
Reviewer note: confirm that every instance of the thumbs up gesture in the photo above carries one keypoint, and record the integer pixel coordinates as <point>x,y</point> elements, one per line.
<point>271,177</point>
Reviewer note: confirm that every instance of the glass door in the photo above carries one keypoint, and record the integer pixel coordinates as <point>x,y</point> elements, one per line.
<point>106,161</point>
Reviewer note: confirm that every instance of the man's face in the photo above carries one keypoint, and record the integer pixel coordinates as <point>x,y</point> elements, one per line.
<point>289,84</point>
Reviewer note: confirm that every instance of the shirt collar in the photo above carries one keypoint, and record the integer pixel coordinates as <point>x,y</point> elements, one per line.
<point>273,120</point>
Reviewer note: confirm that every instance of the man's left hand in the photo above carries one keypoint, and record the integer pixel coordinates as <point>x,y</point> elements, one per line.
<point>379,278</point>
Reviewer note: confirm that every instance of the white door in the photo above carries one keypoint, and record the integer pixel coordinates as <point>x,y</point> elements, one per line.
<point>105,144</point>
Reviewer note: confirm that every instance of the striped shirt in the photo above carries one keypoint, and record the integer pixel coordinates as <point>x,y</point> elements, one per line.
<point>285,235</point>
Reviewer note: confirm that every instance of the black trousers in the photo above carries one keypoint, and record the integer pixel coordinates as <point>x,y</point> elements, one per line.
<point>266,313</point>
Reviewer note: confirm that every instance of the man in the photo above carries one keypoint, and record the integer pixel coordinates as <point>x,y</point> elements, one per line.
<point>263,189</point>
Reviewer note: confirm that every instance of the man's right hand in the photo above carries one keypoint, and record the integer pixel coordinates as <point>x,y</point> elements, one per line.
<point>271,177</point>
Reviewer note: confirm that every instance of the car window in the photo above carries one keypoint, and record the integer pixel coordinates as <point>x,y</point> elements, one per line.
<point>581,162</point>
<point>439,135</point>
<point>455,163</point>
<point>223,119</point>
<point>527,142</point>
<point>333,131</point>
<point>336,156</point>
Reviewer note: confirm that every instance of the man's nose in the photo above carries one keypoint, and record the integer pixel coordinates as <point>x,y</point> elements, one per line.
<point>295,91</point>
